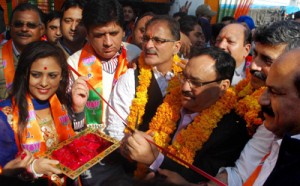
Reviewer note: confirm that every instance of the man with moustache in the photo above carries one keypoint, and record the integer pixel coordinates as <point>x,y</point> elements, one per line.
<point>139,30</point>
<point>72,29</point>
<point>235,39</point>
<point>26,26</point>
<point>280,106</point>
<point>201,127</point>
<point>161,42</point>
<point>271,41</point>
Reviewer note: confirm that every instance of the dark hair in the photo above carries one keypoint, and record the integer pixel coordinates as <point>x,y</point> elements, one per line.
<point>98,12</point>
<point>27,6</point>
<point>51,16</point>
<point>179,14</point>
<point>187,24</point>
<point>132,6</point>
<point>144,15</point>
<point>225,63</point>
<point>31,53</point>
<point>172,24</point>
<point>72,3</point>
<point>280,32</point>
<point>228,18</point>
<point>215,30</point>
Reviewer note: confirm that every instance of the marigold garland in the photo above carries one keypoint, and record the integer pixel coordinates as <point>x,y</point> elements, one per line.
<point>139,102</point>
<point>244,88</point>
<point>248,106</point>
<point>188,141</point>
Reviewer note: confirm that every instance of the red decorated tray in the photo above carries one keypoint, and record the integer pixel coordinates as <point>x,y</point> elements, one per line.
<point>82,151</point>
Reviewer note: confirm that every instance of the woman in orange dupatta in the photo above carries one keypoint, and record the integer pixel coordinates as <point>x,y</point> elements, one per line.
<point>36,111</point>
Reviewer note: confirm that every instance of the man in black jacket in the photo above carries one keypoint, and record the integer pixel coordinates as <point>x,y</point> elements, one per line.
<point>196,121</point>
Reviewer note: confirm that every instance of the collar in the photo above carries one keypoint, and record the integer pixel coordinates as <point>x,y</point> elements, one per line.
<point>15,50</point>
<point>169,75</point>
<point>184,113</point>
<point>240,69</point>
<point>114,57</point>
<point>279,140</point>
<point>64,46</point>
<point>39,105</point>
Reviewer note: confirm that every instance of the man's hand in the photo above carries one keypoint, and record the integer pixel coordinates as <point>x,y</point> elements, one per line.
<point>139,149</point>
<point>46,166</point>
<point>80,94</point>
<point>185,45</point>
<point>185,7</point>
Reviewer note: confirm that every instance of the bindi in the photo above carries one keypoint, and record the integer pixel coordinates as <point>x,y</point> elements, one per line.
<point>45,68</point>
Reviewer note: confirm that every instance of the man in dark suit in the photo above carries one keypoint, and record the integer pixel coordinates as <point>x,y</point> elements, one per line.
<point>201,127</point>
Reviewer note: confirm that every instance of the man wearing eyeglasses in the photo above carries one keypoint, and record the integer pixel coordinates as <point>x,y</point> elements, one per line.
<point>196,122</point>
<point>161,42</point>
<point>25,27</point>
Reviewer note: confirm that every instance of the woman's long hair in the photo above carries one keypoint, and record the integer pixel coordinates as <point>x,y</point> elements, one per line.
<point>20,87</point>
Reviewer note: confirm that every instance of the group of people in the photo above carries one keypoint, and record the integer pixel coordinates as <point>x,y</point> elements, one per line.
<point>234,118</point>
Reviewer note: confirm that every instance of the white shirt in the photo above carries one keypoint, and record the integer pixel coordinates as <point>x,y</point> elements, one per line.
<point>121,99</point>
<point>132,52</point>
<point>262,142</point>
<point>239,74</point>
<point>257,147</point>
<point>270,162</point>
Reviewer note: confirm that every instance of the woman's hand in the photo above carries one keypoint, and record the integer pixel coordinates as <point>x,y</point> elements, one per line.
<point>19,164</point>
<point>80,94</point>
<point>46,166</point>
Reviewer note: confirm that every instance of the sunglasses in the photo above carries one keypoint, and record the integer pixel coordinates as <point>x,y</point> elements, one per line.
<point>20,24</point>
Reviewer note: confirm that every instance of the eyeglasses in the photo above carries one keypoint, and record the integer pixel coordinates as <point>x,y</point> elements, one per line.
<point>20,24</point>
<point>193,83</point>
<point>156,40</point>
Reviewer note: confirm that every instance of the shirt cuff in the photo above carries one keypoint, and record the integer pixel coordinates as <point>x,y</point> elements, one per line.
<point>157,163</point>
<point>233,178</point>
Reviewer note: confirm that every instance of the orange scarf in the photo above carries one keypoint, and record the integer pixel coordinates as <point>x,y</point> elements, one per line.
<point>8,63</point>
<point>32,138</point>
<point>90,66</point>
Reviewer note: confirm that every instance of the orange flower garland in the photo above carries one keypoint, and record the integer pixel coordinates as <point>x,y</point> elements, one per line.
<point>244,88</point>
<point>188,141</point>
<point>139,102</point>
<point>248,106</point>
<point>191,139</point>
